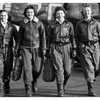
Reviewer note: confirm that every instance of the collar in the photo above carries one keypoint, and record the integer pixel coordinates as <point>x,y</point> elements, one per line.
<point>35,19</point>
<point>92,19</point>
<point>63,21</point>
<point>4,24</point>
<point>8,24</point>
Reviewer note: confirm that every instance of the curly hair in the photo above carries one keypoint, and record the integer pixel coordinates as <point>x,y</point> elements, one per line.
<point>86,5</point>
<point>9,16</point>
<point>30,7</point>
<point>3,10</point>
<point>57,9</point>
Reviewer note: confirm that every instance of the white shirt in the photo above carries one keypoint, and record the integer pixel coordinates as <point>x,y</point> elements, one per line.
<point>4,24</point>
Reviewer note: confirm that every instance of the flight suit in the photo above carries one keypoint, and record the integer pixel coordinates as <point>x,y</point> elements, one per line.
<point>7,35</point>
<point>88,38</point>
<point>32,41</point>
<point>60,42</point>
<point>1,74</point>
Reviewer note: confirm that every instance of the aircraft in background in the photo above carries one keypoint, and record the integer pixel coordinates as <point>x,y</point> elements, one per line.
<point>45,12</point>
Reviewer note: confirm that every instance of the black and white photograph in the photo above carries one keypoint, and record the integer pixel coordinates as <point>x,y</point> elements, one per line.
<point>49,49</point>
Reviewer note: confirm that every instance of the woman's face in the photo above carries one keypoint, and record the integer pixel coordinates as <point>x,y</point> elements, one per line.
<point>60,14</point>
<point>30,14</point>
<point>3,16</point>
<point>87,12</point>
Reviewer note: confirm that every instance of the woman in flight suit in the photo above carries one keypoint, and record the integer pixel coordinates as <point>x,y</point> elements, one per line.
<point>32,39</point>
<point>7,32</point>
<point>60,39</point>
<point>88,39</point>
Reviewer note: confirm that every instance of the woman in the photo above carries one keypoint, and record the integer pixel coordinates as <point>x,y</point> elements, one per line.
<point>60,39</point>
<point>32,41</point>
<point>88,39</point>
<point>7,33</point>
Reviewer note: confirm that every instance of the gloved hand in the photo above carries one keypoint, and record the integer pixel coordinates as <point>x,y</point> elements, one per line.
<point>16,53</point>
<point>74,54</point>
<point>44,52</point>
<point>47,54</point>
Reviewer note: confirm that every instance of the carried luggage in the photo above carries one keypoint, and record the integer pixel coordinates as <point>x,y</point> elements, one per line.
<point>49,71</point>
<point>17,70</point>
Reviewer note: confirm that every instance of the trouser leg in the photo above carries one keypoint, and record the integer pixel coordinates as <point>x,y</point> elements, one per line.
<point>27,82</point>
<point>89,62</point>
<point>97,63</point>
<point>67,64</point>
<point>57,59</point>
<point>1,75</point>
<point>27,70</point>
<point>91,91</point>
<point>59,79</point>
<point>1,88</point>
<point>1,85</point>
<point>8,64</point>
<point>37,64</point>
<point>28,90</point>
<point>87,65</point>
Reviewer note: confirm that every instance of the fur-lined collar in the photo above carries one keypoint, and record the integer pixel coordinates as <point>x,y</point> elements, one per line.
<point>35,19</point>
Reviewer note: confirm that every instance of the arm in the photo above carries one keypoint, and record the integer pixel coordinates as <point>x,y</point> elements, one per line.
<point>73,42</point>
<point>77,31</point>
<point>76,34</point>
<point>19,37</point>
<point>42,38</point>
<point>72,37</point>
<point>98,28</point>
<point>49,38</point>
<point>15,33</point>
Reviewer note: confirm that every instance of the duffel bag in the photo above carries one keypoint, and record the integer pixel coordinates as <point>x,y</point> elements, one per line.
<point>49,71</point>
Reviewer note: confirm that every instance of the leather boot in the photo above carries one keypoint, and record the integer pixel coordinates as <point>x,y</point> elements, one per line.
<point>28,90</point>
<point>6,86</point>
<point>1,89</point>
<point>64,87</point>
<point>66,77</point>
<point>34,86</point>
<point>60,90</point>
<point>91,91</point>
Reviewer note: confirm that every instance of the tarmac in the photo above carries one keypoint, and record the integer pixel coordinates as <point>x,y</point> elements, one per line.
<point>76,86</point>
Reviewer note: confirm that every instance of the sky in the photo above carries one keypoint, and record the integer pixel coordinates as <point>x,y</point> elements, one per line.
<point>1,4</point>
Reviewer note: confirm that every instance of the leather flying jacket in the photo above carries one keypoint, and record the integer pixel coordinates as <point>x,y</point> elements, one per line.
<point>61,33</point>
<point>31,34</point>
<point>87,31</point>
<point>7,34</point>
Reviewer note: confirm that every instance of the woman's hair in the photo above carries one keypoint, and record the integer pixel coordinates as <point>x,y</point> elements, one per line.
<point>66,7</point>
<point>3,10</point>
<point>9,16</point>
<point>86,5</point>
<point>57,9</point>
<point>30,7</point>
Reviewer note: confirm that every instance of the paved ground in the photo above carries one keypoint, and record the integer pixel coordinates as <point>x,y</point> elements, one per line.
<point>76,87</point>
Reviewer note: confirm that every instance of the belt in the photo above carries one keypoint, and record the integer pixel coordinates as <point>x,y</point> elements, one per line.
<point>89,42</point>
<point>61,43</point>
<point>6,45</point>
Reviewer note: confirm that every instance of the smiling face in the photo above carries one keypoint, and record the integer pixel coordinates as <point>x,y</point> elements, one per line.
<point>3,16</point>
<point>60,15</point>
<point>87,12</point>
<point>30,14</point>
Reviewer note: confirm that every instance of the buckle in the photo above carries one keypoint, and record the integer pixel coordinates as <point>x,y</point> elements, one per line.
<point>5,45</point>
<point>60,44</point>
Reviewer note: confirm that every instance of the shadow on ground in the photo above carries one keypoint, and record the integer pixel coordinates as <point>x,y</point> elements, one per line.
<point>46,93</point>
